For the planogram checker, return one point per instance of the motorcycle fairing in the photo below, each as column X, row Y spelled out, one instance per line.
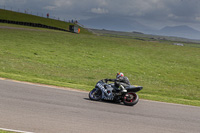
column 133, row 88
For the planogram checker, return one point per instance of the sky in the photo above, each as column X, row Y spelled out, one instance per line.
column 106, row 14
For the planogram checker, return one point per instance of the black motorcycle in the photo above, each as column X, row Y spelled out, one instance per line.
column 104, row 91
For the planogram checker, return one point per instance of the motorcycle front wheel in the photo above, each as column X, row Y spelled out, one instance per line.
column 95, row 94
column 130, row 99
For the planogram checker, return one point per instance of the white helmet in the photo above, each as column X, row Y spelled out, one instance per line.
column 119, row 75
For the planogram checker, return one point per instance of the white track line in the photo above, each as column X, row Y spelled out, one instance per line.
column 11, row 130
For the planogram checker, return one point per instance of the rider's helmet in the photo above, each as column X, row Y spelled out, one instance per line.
column 119, row 75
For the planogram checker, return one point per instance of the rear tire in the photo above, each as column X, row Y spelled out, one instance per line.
column 95, row 94
column 130, row 98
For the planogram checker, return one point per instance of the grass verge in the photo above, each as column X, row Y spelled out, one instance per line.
column 2, row 131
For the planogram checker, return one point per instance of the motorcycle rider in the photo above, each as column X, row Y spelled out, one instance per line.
column 120, row 82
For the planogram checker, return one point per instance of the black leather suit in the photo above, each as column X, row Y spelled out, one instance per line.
column 124, row 81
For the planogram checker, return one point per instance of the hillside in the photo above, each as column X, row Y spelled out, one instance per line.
column 180, row 31
column 147, row 37
column 129, row 25
column 15, row 16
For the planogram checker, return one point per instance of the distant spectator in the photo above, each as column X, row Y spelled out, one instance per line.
column 47, row 15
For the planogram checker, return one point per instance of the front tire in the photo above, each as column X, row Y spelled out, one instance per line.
column 95, row 94
column 130, row 98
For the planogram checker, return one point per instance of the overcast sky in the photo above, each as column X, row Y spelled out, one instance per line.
column 152, row 13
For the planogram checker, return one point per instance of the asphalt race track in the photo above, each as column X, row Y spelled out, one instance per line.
column 45, row 109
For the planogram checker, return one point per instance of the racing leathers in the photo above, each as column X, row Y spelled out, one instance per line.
column 120, row 82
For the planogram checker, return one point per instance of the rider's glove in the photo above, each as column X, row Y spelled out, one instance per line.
column 106, row 80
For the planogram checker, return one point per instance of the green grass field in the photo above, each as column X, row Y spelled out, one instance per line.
column 168, row 73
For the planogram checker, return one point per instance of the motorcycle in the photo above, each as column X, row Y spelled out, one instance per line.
column 104, row 91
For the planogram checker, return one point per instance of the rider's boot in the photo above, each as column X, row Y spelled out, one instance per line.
column 122, row 88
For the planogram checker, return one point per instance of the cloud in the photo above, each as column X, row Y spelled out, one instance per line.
column 63, row 3
column 12, row 3
column 49, row 7
column 99, row 10
column 2, row 2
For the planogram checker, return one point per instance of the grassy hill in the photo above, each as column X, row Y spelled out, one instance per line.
column 147, row 37
column 15, row 16
column 168, row 73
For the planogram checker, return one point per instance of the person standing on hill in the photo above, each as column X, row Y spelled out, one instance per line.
column 47, row 15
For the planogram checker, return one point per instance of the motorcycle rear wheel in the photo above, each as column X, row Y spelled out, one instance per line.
column 95, row 94
column 130, row 99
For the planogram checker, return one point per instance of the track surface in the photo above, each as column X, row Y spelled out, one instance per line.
column 43, row 109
